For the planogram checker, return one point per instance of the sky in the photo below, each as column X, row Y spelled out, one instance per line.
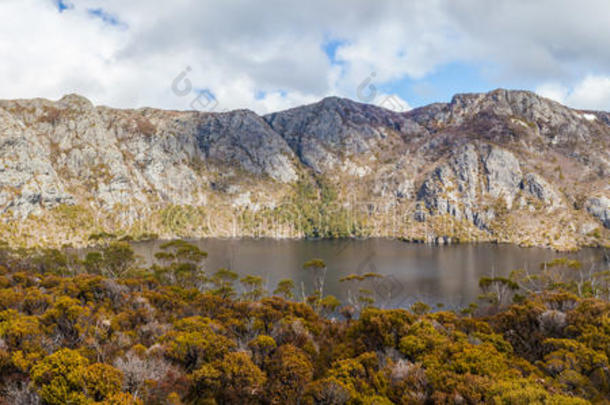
column 276, row 54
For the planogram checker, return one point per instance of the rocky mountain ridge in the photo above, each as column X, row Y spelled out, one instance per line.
column 506, row 166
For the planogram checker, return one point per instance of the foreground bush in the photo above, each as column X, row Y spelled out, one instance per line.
column 85, row 339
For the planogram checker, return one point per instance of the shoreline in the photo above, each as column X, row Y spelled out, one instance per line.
column 437, row 241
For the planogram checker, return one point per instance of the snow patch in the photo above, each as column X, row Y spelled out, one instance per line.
column 589, row 117
column 519, row 122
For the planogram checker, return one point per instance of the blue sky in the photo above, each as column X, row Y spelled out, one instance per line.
column 243, row 55
column 63, row 5
column 103, row 15
column 437, row 85
column 440, row 84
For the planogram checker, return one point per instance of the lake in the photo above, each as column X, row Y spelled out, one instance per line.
column 413, row 272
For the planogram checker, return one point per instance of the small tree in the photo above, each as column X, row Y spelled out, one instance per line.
column 497, row 291
column 261, row 346
column 102, row 381
column 193, row 348
column 420, row 308
column 54, row 261
column 223, row 280
column 328, row 305
column 94, row 262
column 358, row 296
column 253, row 288
column 182, row 264
column 69, row 320
column 114, row 260
column 240, row 380
column 289, row 370
column 65, row 377
column 317, row 268
column 59, row 378
column 119, row 258
column 285, row 289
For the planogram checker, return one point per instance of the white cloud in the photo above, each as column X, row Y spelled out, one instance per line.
column 554, row 91
column 536, row 40
column 269, row 56
column 592, row 93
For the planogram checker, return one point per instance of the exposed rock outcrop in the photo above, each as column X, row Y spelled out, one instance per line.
column 485, row 161
column 28, row 180
column 326, row 133
column 245, row 139
column 599, row 207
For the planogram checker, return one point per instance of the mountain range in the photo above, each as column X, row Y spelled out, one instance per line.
column 506, row 166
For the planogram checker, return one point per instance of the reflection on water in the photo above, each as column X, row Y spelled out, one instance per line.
column 433, row 274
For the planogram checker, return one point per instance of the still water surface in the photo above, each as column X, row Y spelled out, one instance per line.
column 433, row 274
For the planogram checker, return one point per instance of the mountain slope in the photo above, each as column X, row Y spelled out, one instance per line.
column 505, row 165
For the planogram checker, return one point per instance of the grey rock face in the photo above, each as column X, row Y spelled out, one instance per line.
column 503, row 173
column 322, row 134
column 475, row 177
column 472, row 175
column 128, row 157
column 493, row 113
column 475, row 158
column 599, row 207
column 537, row 186
column 28, row 181
column 245, row 139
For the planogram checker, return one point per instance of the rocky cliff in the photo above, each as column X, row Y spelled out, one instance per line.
column 507, row 166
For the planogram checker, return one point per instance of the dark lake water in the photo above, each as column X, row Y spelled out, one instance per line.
column 413, row 272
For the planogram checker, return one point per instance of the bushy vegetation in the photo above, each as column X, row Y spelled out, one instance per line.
column 99, row 329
